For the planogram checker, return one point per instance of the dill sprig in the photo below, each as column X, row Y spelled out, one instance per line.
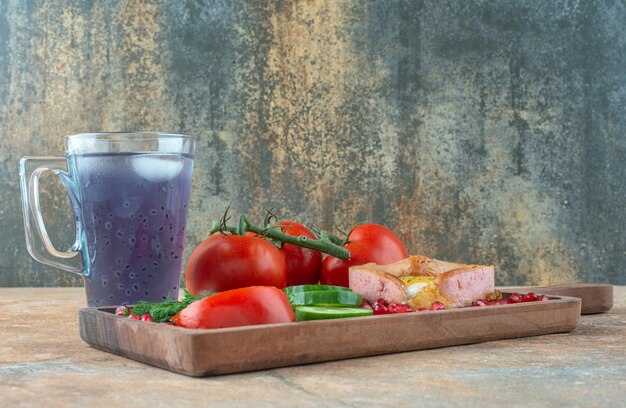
column 164, row 311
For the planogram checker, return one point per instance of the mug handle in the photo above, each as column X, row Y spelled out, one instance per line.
column 31, row 169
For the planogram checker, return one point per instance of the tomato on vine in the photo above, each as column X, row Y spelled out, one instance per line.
column 303, row 264
column 365, row 243
column 225, row 262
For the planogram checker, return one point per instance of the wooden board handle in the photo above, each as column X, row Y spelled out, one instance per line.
column 596, row 297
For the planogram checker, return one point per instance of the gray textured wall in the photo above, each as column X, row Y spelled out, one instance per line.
column 480, row 131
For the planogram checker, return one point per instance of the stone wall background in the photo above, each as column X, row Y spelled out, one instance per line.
column 479, row 131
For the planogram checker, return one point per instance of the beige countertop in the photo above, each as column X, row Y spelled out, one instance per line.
column 44, row 361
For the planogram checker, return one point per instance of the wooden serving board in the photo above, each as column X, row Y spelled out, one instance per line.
column 232, row 350
column 596, row 298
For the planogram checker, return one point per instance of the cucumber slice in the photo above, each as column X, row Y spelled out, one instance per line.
column 311, row 288
column 325, row 298
column 304, row 313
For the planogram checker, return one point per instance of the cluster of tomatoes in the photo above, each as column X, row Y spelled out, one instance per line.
column 249, row 272
column 225, row 262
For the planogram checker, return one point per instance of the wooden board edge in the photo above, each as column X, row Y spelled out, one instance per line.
column 192, row 352
column 596, row 297
column 568, row 308
column 168, row 347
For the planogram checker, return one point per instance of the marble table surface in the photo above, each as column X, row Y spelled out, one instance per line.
column 43, row 361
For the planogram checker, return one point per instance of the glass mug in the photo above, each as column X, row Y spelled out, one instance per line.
column 130, row 195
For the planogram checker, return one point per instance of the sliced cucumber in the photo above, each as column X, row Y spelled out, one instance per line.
column 312, row 288
column 325, row 298
column 304, row 313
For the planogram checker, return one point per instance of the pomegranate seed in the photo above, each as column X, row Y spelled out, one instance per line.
column 529, row 297
column 366, row 305
column 480, row 303
column 437, row 306
column 122, row 311
column 500, row 302
column 134, row 317
column 146, row 317
column 380, row 307
column 404, row 309
column 396, row 308
column 543, row 298
column 383, row 302
column 422, row 309
column 515, row 298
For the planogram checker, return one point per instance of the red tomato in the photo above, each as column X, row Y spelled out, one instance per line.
column 238, row 307
column 224, row 262
column 303, row 264
column 366, row 243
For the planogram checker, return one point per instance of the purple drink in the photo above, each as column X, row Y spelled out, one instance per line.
column 132, row 220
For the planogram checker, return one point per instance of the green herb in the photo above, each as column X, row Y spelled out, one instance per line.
column 164, row 311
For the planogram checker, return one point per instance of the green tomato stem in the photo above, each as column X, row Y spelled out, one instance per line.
column 327, row 243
